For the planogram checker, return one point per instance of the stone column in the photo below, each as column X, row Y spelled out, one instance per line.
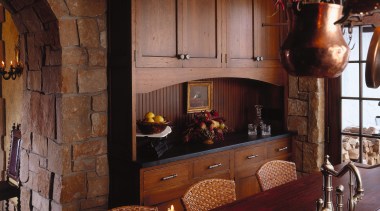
column 306, row 102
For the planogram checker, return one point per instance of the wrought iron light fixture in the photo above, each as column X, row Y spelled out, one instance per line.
column 13, row 72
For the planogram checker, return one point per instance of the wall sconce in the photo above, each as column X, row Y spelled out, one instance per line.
column 13, row 72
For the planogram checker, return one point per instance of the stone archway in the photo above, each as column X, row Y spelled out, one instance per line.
column 64, row 122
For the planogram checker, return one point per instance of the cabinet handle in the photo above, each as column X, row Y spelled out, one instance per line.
column 187, row 56
column 169, row 177
column 282, row 149
column 252, row 156
column 215, row 166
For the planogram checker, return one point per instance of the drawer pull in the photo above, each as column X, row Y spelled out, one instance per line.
column 215, row 166
column 282, row 149
column 169, row 177
column 252, row 156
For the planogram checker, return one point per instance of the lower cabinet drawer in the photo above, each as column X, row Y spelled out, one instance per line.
column 167, row 177
column 250, row 155
column 158, row 196
column 212, row 164
column 279, row 148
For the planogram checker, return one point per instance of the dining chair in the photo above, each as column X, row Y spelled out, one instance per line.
column 8, row 189
column 134, row 208
column 208, row 194
column 275, row 173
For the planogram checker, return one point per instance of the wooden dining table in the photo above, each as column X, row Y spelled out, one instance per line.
column 302, row 194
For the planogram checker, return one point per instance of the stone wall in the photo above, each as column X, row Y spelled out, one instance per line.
column 306, row 109
column 64, row 111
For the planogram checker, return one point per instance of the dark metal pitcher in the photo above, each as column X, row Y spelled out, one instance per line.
column 315, row 45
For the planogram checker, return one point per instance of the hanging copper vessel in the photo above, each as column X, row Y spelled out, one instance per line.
column 315, row 45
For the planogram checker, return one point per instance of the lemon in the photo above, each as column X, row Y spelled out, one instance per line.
column 159, row 119
column 149, row 115
column 149, row 120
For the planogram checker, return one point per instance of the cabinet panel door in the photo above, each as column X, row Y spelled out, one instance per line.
column 246, row 187
column 268, row 33
column 240, row 33
column 158, row 33
column 202, row 33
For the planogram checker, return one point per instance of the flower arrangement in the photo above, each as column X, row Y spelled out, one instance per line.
column 206, row 127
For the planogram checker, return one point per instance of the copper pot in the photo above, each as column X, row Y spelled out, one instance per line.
column 315, row 45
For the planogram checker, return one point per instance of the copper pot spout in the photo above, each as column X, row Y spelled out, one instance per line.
column 315, row 45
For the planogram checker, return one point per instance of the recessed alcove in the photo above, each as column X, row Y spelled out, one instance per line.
column 233, row 98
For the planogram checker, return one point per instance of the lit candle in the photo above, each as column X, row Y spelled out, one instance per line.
column 171, row 208
column 2, row 64
column 11, row 64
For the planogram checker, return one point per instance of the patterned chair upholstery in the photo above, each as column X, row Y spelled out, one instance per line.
column 275, row 173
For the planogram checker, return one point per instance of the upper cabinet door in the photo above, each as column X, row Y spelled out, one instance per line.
column 202, row 33
column 240, row 33
column 158, row 33
column 253, row 33
column 269, row 28
column 178, row 33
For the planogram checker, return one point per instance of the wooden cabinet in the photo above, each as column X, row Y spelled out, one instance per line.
column 178, row 33
column 164, row 185
column 253, row 33
column 249, row 159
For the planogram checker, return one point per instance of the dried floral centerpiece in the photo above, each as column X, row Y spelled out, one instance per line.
column 206, row 127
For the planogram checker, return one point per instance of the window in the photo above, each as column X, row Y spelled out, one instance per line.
column 354, row 109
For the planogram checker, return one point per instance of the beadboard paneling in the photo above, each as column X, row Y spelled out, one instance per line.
column 234, row 99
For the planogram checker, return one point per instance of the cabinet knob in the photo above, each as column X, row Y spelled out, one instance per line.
column 259, row 58
column 187, row 56
column 181, row 56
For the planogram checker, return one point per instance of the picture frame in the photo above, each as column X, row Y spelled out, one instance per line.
column 199, row 96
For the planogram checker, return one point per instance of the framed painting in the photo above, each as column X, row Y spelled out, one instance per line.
column 199, row 96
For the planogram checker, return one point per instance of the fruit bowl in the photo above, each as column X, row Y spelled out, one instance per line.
column 151, row 127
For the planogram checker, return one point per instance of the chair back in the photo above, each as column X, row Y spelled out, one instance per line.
column 134, row 208
column 14, row 154
column 275, row 173
column 208, row 194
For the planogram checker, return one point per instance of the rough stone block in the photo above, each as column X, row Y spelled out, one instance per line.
column 293, row 87
column 39, row 145
column 317, row 117
column 34, row 53
column 102, row 22
column 24, row 166
column 97, row 57
column 46, row 118
column 25, row 195
column 59, row 8
column 297, row 124
column 97, row 186
column 34, row 162
column 99, row 124
column 74, row 56
column 310, row 84
column 92, row 80
column 102, row 165
column 31, row 20
column 43, row 182
column 89, row 149
column 59, row 157
column 53, row 57
column 39, row 202
column 88, row 8
column 32, row 182
column 34, row 80
column 44, row 12
column 51, row 80
column 69, row 32
column 298, row 154
column 88, row 33
column 73, row 187
column 103, row 39
column 94, row 202
column 74, row 123
column 297, row 107
column 84, row 165
column 69, row 80
column 57, row 188
column 100, row 102
column 312, row 156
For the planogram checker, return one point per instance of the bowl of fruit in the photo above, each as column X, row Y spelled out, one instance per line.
column 152, row 124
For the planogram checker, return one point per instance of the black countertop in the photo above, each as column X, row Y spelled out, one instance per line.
column 180, row 151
